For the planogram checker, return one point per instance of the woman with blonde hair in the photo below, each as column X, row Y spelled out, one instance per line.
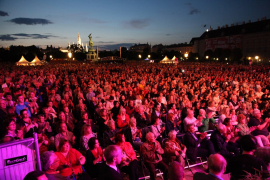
column 245, row 130
column 122, row 119
column 86, row 134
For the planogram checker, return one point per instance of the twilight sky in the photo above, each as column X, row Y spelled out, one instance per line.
column 115, row 23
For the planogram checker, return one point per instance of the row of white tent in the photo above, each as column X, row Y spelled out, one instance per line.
column 167, row 60
column 36, row 61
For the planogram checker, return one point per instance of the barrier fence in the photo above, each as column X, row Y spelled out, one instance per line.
column 17, row 158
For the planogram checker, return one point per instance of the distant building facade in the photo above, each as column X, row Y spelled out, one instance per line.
column 139, row 47
column 253, row 38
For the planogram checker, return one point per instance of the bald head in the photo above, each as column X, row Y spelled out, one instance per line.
column 217, row 164
column 175, row 171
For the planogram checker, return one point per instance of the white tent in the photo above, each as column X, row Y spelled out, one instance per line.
column 166, row 60
column 22, row 62
column 36, row 61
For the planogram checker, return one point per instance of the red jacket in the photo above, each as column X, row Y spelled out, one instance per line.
column 120, row 123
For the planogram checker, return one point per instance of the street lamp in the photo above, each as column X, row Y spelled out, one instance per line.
column 69, row 54
column 257, row 57
column 206, row 57
column 186, row 55
column 149, row 56
column 51, row 56
column 140, row 56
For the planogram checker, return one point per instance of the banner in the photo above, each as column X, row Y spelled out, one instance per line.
column 228, row 42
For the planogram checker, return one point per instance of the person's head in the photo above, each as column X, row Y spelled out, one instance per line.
column 66, row 109
column 35, row 175
column 131, row 103
column 141, row 109
column 62, row 116
column 248, row 143
column 132, row 122
column 170, row 116
column 241, row 118
column 257, row 113
column 64, row 146
column 191, row 128
column 157, row 108
column 176, row 171
column 9, row 124
column 103, row 112
column 63, row 127
column 227, row 122
column 41, row 118
column 172, row 135
column 24, row 114
column 122, row 111
column 3, row 104
column 20, row 98
column 49, row 161
column 113, row 154
column 86, row 129
column 120, row 137
column 244, row 106
column 190, row 113
column 84, row 115
column 93, row 143
column 150, row 137
column 111, row 125
column 222, row 128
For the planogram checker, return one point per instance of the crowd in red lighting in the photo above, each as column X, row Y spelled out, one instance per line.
column 92, row 118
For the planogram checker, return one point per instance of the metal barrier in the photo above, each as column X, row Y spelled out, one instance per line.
column 18, row 158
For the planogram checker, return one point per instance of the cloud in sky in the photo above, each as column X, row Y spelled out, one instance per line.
column 2, row 13
column 7, row 37
column 192, row 9
column 30, row 21
column 34, row 36
column 13, row 37
column 137, row 23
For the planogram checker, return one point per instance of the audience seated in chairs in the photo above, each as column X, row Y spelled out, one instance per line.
column 245, row 163
column 109, row 170
column 122, row 119
column 69, row 156
column 197, row 146
column 172, row 123
column 50, row 164
column 109, row 134
column 64, row 134
column 129, row 162
column 158, row 130
column 176, row 171
column 94, row 157
column 151, row 152
column 174, row 150
column 133, row 135
column 35, row 175
column 142, row 118
column 86, row 134
column 217, row 166
column 221, row 143
column 9, row 131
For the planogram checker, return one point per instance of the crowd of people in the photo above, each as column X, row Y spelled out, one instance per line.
column 96, row 118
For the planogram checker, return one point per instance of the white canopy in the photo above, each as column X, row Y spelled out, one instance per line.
column 22, row 62
column 166, row 60
column 36, row 61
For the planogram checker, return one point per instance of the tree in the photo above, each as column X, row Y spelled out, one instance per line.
column 218, row 53
column 236, row 54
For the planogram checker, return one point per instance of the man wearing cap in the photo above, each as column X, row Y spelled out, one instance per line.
column 260, row 124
